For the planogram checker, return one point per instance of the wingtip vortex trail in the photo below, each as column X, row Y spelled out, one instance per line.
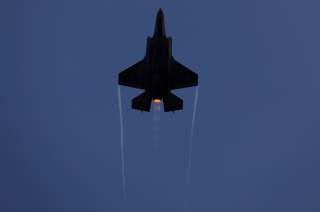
column 188, row 173
column 192, row 133
column 122, row 146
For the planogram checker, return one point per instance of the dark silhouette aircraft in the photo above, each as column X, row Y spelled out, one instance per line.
column 158, row 73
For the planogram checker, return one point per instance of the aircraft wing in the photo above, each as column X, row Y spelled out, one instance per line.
column 133, row 76
column 181, row 76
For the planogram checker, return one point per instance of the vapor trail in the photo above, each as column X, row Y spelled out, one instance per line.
column 156, row 124
column 122, row 147
column 191, row 135
column 188, row 173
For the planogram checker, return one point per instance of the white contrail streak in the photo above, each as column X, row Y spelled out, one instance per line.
column 188, row 173
column 156, row 124
column 122, row 146
column 191, row 135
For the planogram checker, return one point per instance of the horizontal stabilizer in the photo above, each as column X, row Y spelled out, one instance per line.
column 171, row 103
column 142, row 102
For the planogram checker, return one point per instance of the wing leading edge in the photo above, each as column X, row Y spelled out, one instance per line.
column 133, row 76
column 181, row 76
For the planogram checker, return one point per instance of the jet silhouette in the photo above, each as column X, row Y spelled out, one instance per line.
column 158, row 73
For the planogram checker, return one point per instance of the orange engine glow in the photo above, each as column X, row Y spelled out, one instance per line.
column 157, row 101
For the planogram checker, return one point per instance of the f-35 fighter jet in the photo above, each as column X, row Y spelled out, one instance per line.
column 158, row 73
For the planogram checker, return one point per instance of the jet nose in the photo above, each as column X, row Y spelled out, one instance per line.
column 160, row 13
column 159, row 27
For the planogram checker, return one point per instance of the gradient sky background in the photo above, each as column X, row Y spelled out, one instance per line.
column 257, row 135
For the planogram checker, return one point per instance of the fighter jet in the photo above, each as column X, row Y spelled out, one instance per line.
column 158, row 73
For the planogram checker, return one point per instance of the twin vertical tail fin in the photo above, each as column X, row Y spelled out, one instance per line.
column 171, row 103
column 142, row 102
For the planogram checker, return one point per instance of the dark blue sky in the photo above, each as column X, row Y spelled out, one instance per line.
column 256, row 142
